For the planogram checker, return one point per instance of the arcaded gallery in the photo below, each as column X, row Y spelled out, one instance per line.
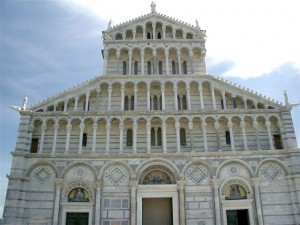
column 155, row 140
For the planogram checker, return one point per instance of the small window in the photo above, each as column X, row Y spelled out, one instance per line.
column 124, row 68
column 149, row 67
column 129, row 138
column 234, row 102
column 160, row 67
column 126, row 103
column 84, row 139
column 34, row 145
column 227, row 136
column 159, row 137
column 184, row 105
column 173, row 67
column 182, row 137
column 184, row 65
column 155, row 102
column 152, row 137
column 132, row 103
column 179, row 102
column 148, row 35
column 277, row 141
column 158, row 35
column 135, row 68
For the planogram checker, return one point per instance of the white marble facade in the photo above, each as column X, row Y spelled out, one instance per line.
column 155, row 125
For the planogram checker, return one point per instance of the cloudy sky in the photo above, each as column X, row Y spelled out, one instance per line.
column 48, row 46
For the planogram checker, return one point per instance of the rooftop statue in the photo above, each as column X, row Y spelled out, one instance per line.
column 153, row 7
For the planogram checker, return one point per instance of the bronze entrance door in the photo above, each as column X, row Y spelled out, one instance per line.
column 157, row 211
column 237, row 217
column 77, row 219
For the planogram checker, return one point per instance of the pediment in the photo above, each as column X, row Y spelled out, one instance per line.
column 159, row 20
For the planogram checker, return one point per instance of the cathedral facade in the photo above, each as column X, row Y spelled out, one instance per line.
column 155, row 140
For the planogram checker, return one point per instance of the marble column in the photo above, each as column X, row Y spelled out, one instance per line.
column 148, row 96
column 43, row 127
column 179, row 62
column 54, row 107
column 164, row 133
column 234, row 101
column 245, row 103
column 142, row 63
column 191, row 57
column 122, row 97
column 148, row 126
column 95, row 127
column 134, row 126
column 188, row 96
column 164, row 32
column 76, row 103
column 177, row 127
column 56, row 127
column 163, row 97
column 98, row 90
column 215, row 185
column 133, row 187
column 153, row 30
column 130, row 62
column 167, row 62
column 109, row 97
column 121, row 127
column 243, row 126
column 108, row 126
column 217, row 127
column 65, row 105
column 68, row 128
column 98, row 185
column 181, row 187
column 118, row 54
column 200, row 89
column 224, row 100
column 230, row 126
column 175, row 89
column 191, row 134
column 204, row 125
column 57, row 184
column 154, row 62
column 135, row 96
column 268, row 125
column 81, row 126
column 87, row 96
column 255, row 125
column 212, row 89
column 255, row 182
column 144, row 32
column 105, row 62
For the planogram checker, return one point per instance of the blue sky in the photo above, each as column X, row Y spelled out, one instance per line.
column 50, row 46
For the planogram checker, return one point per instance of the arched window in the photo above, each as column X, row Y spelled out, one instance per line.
column 158, row 35
column 227, row 137
column 149, row 67
column 155, row 102
column 189, row 36
column 152, row 137
column 135, row 68
column 148, row 35
column 159, row 138
column 126, row 103
column 182, row 137
column 160, row 67
column 184, row 105
column 132, row 103
column 179, row 102
column 84, row 139
column 124, row 68
column 119, row 36
column 184, row 67
column 173, row 67
column 129, row 137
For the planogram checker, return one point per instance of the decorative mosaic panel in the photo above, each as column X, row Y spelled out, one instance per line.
column 196, row 174
column 116, row 175
column 157, row 175
column 271, row 171
column 85, row 187
column 43, row 174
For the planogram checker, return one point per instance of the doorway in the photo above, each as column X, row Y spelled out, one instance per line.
column 77, row 219
column 237, row 217
column 157, row 211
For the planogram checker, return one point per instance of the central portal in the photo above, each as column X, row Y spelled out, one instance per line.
column 157, row 211
column 77, row 219
column 237, row 217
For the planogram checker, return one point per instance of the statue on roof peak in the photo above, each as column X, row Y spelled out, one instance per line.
column 153, row 7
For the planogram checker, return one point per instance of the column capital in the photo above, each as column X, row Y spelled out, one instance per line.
column 154, row 53
column 268, row 124
column 187, row 88
column 76, row 98
column 87, row 94
column 118, row 54
column 200, row 87
column 148, row 125
column 44, row 126
column 109, row 88
column 204, row 125
column 108, row 126
column 177, row 125
column 142, row 53
column 215, row 183
column 162, row 88
column 230, row 124
column 134, row 125
column 98, row 184
column 191, row 53
column 135, row 89
column 58, row 183
column 121, row 126
column 175, row 88
column 217, row 125
column 56, row 126
column 148, row 87
column 178, row 53
column 133, row 184
column 69, row 127
column 243, row 124
column 130, row 53
column 255, row 182
column 190, row 125
column 166, row 52
column 180, row 184
column 81, row 126
column 255, row 124
column 122, row 88
column 95, row 126
column 98, row 89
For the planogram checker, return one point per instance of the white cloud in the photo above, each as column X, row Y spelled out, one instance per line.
column 256, row 35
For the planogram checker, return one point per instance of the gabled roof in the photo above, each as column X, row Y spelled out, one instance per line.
column 92, row 84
